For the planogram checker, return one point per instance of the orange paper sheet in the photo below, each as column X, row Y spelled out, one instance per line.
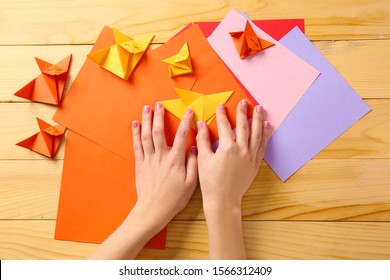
column 97, row 193
column 100, row 106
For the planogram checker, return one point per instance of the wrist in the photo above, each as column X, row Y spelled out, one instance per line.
column 218, row 209
column 147, row 225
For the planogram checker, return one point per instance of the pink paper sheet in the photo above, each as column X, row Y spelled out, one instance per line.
column 275, row 77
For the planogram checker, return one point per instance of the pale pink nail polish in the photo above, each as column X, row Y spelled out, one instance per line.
column 266, row 124
column 189, row 111
column 244, row 103
column 158, row 105
column 199, row 124
column 259, row 108
column 221, row 106
column 134, row 124
column 146, row 109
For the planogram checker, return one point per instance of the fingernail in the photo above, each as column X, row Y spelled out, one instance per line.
column 146, row 109
column 244, row 103
column 266, row 124
column 189, row 111
column 259, row 108
column 158, row 105
column 134, row 124
column 221, row 106
column 194, row 150
column 199, row 124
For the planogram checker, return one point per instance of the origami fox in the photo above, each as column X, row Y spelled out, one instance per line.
column 204, row 105
column 180, row 63
column 45, row 142
column 121, row 58
column 49, row 86
column 247, row 43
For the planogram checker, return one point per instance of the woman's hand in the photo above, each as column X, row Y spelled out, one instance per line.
column 165, row 180
column 227, row 174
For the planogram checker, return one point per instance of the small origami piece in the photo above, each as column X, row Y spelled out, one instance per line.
column 45, row 142
column 247, row 43
column 121, row 58
column 204, row 106
column 180, row 64
column 49, row 86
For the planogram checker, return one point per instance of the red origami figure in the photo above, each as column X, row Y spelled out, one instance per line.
column 247, row 43
column 45, row 142
column 49, row 86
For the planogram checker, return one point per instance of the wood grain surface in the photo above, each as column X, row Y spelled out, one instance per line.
column 336, row 207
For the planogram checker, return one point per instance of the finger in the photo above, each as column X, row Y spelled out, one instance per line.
column 180, row 142
column 192, row 168
column 203, row 139
column 137, row 144
column 256, row 130
column 264, row 141
column 225, row 132
column 146, row 131
column 242, row 127
column 159, row 142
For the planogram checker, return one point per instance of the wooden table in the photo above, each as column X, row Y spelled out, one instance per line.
column 336, row 207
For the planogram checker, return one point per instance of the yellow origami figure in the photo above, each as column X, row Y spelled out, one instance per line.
column 121, row 58
column 204, row 106
column 180, row 64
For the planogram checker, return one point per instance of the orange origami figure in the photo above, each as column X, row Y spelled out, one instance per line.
column 49, row 86
column 45, row 142
column 247, row 43
column 180, row 63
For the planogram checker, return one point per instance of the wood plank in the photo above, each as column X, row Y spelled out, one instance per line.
column 69, row 22
column 188, row 240
column 368, row 138
column 366, row 73
column 324, row 190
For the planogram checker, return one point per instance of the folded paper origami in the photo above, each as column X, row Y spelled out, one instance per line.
column 122, row 57
column 204, row 106
column 180, row 64
column 247, row 43
column 49, row 86
column 45, row 142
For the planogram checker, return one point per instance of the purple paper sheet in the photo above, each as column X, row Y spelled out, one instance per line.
column 328, row 108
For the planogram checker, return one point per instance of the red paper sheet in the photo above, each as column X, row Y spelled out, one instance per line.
column 276, row 28
column 100, row 106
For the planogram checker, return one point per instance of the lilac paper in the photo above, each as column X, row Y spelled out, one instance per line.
column 328, row 108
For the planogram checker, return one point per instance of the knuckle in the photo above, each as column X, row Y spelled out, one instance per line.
column 145, row 137
column 181, row 132
column 157, row 130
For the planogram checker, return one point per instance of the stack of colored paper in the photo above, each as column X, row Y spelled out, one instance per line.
column 306, row 101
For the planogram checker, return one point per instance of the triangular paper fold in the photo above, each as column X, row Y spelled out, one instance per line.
column 49, row 86
column 121, row 58
column 180, row 63
column 204, row 106
column 45, row 142
column 247, row 43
